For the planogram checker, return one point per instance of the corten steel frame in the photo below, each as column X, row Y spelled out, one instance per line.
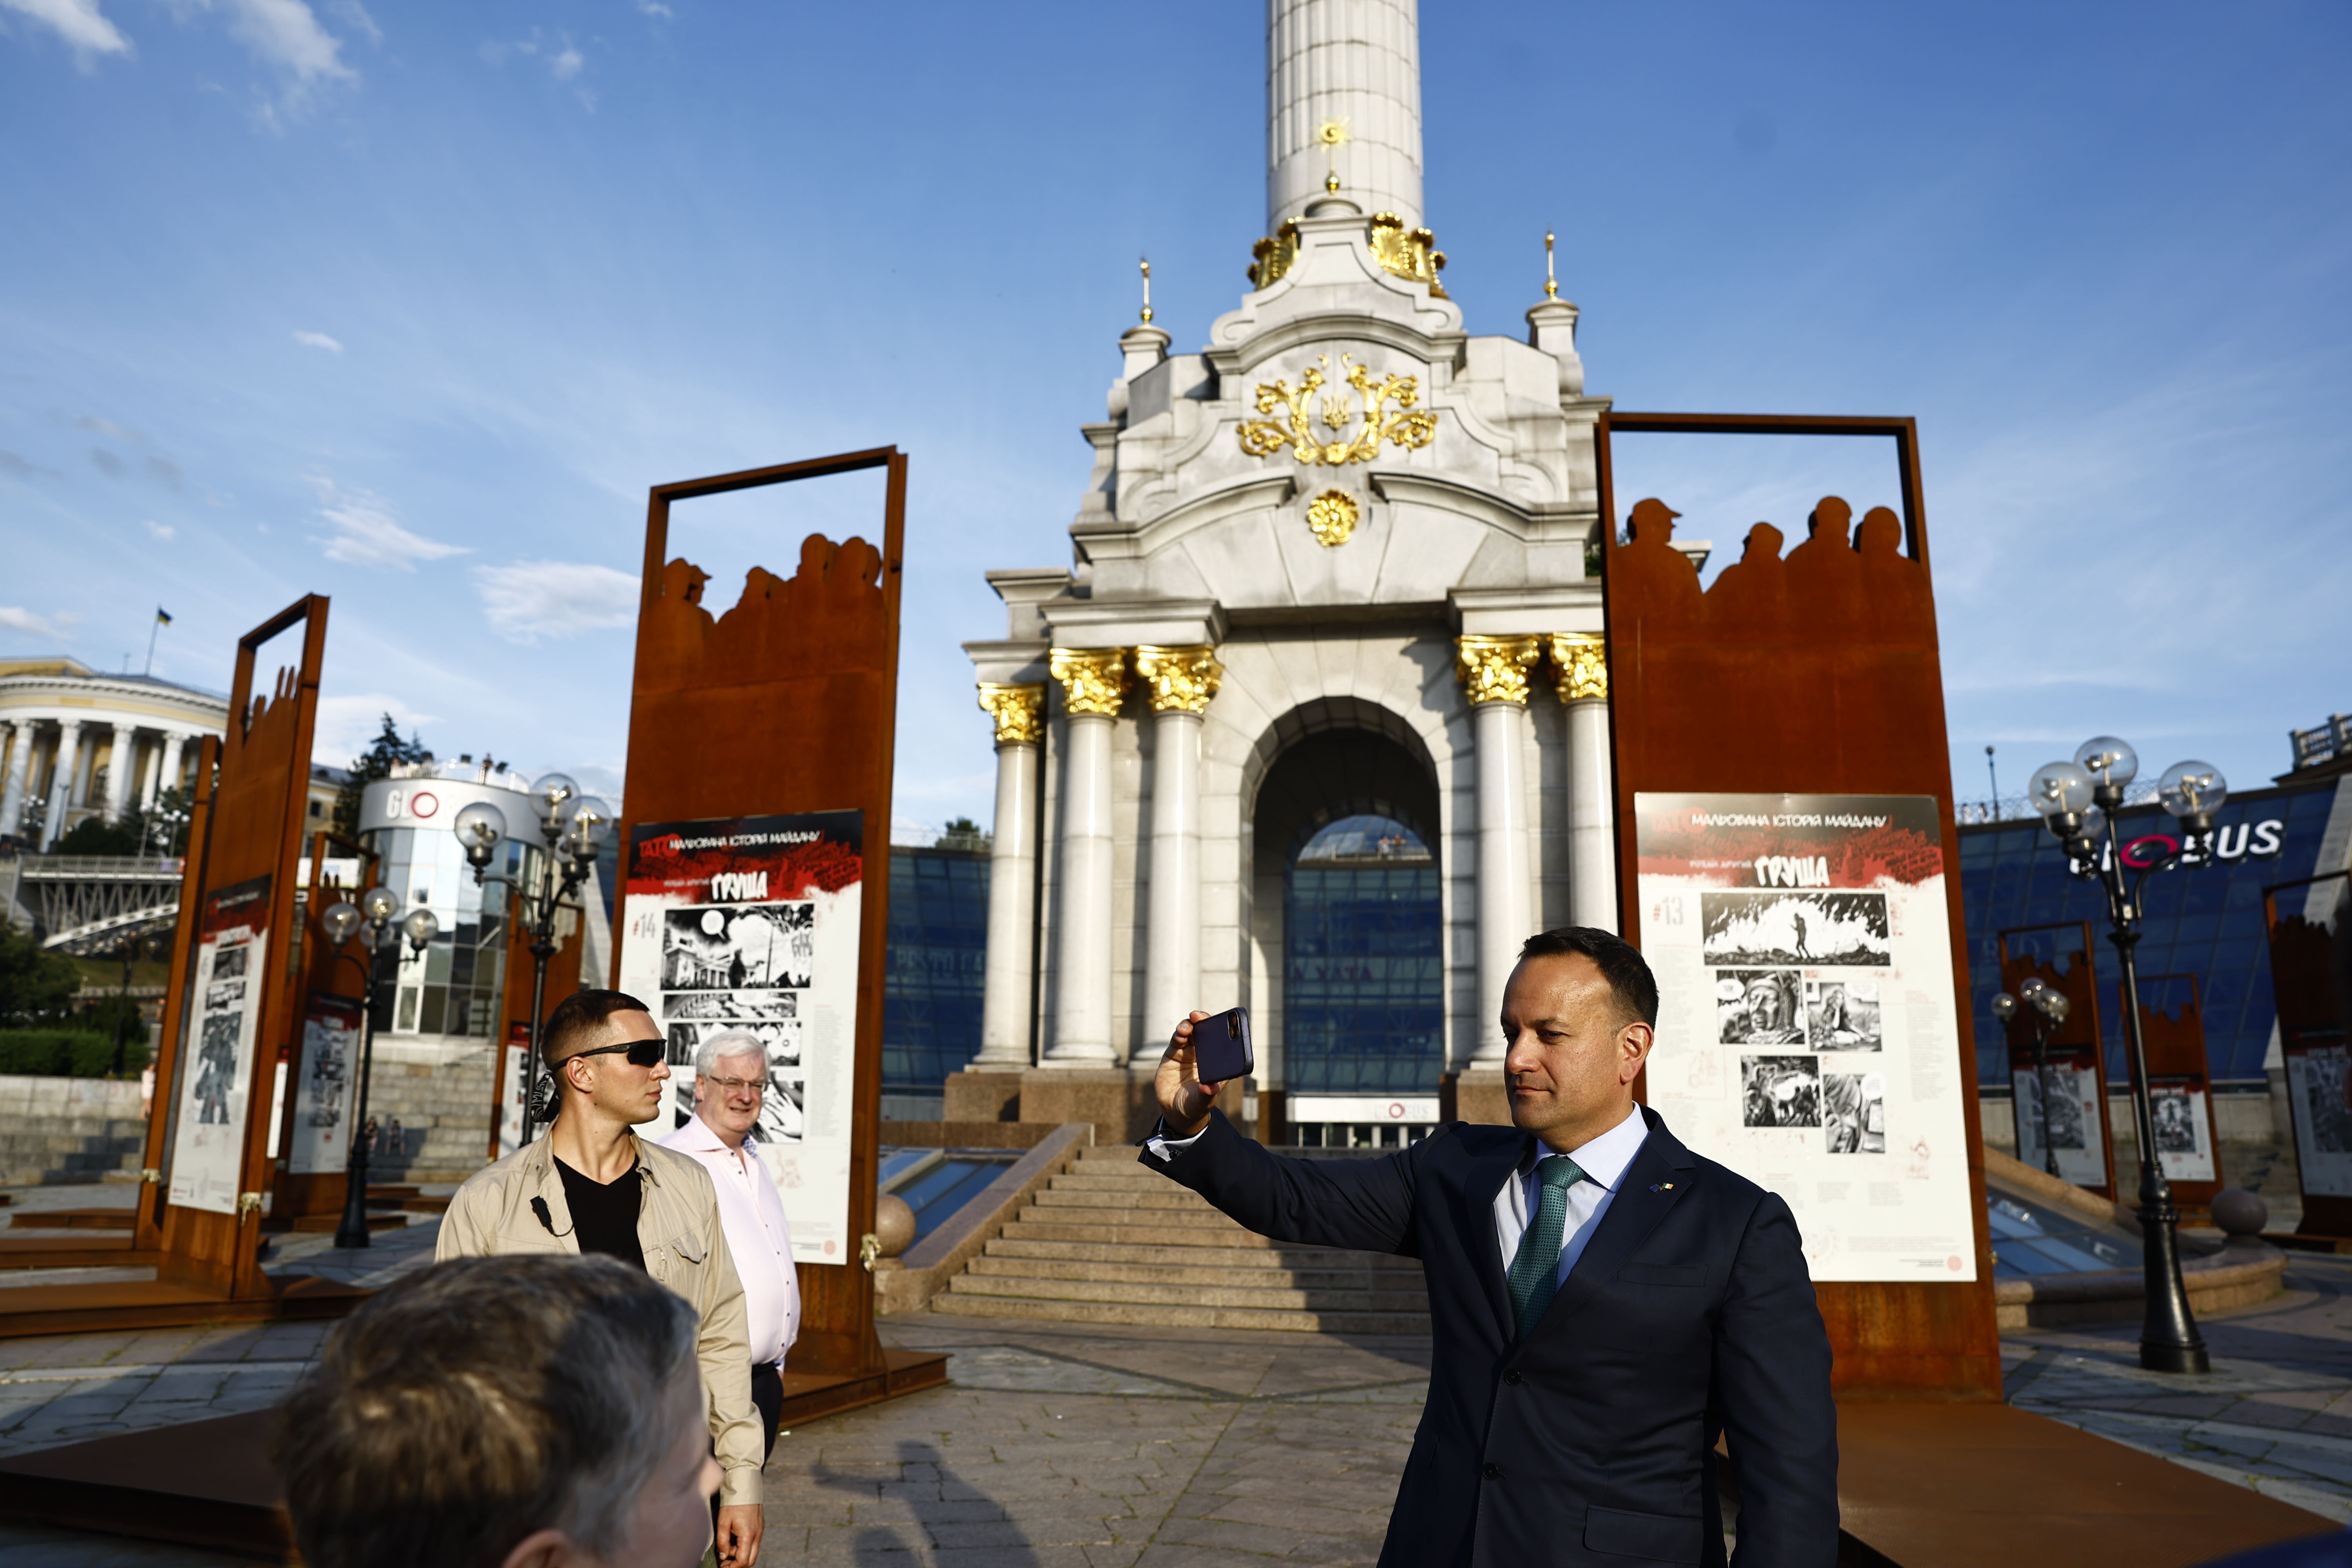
column 248, row 823
column 324, row 967
column 2079, row 983
column 786, row 704
column 2310, row 993
column 1824, row 708
column 2175, row 1048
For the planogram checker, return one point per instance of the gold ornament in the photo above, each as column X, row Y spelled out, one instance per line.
column 1580, row 663
column 1018, row 710
column 1494, row 669
column 1093, row 680
column 1273, row 257
column 1408, row 255
column 1410, row 427
column 1180, row 677
column 1332, row 515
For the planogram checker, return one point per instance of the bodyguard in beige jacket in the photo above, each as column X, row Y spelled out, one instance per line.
column 592, row 1184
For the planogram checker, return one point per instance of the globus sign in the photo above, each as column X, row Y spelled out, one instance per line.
column 423, row 803
column 2257, row 840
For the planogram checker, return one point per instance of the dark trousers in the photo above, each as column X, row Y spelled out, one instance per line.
column 768, row 1398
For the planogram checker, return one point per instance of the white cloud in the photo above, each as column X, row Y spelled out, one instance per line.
column 286, row 33
column 566, row 65
column 16, row 620
column 367, row 534
column 346, row 724
column 78, row 22
column 163, row 531
column 526, row 600
column 355, row 16
column 655, row 8
column 319, row 341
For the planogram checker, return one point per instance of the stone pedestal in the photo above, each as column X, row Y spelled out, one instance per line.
column 1119, row 1102
column 1481, row 1096
column 982, row 1095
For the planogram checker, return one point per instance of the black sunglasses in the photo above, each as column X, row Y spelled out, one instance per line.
column 642, row 1053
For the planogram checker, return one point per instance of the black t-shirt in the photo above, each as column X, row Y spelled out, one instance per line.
column 604, row 1218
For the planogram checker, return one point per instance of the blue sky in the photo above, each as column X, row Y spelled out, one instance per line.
column 409, row 304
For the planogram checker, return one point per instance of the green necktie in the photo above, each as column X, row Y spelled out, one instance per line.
column 1534, row 1272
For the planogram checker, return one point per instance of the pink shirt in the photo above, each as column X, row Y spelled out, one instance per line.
column 757, row 1233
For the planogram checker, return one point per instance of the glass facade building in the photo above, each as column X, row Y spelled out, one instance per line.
column 938, row 952
column 2204, row 921
column 1363, row 971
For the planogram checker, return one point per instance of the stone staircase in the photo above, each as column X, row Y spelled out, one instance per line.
column 66, row 1151
column 1111, row 1241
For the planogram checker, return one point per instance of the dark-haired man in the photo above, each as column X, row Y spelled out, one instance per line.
column 503, row 1413
column 592, row 1184
column 1604, row 1302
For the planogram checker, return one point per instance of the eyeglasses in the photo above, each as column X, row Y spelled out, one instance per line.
column 642, row 1053
column 756, row 1085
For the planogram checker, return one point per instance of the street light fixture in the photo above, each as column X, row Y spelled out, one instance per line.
column 2078, row 802
column 341, row 922
column 2046, row 1008
column 573, row 826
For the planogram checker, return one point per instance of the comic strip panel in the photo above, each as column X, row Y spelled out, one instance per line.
column 2323, row 1074
column 728, row 948
column 1854, row 1110
column 1755, row 930
column 1843, row 1015
column 2061, row 1127
column 2176, row 1120
column 1757, row 1007
column 1780, row 1091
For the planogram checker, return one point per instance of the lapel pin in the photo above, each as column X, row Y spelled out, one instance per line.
column 1662, row 1186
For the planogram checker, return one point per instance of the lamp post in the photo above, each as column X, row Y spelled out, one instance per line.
column 343, row 922
column 2048, row 1009
column 2078, row 802
column 572, row 826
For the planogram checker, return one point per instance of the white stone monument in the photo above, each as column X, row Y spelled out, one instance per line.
column 1343, row 550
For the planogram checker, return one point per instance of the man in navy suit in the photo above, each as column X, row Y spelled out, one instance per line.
column 1605, row 1304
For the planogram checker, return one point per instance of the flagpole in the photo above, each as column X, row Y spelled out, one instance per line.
column 152, row 630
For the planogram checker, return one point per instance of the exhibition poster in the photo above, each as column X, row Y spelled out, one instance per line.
column 752, row 923
column 1806, row 1034
column 322, row 1095
column 2317, row 1093
column 2073, row 1120
column 2183, row 1147
column 232, row 950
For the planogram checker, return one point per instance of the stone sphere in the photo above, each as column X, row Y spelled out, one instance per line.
column 894, row 1225
column 2239, row 1213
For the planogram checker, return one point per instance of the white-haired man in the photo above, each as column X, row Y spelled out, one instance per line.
column 730, row 1082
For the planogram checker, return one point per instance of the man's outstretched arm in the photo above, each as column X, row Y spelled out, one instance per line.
column 1366, row 1205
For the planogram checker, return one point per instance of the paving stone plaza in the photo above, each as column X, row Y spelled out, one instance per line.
column 1094, row 1445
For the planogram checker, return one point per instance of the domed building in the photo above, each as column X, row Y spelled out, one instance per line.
column 76, row 742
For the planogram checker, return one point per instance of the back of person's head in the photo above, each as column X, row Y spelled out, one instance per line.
column 580, row 1018
column 476, row 1403
column 1620, row 963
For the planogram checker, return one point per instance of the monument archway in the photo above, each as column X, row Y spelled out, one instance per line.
column 1346, row 928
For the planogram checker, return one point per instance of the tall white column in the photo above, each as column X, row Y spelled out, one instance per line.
column 1494, row 674
column 173, row 743
column 151, row 778
column 1183, row 680
column 1357, row 61
column 1012, row 878
column 12, row 793
column 1581, row 662
column 61, row 781
column 117, row 771
column 1091, row 681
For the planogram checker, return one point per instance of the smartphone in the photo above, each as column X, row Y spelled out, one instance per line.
column 1221, row 1046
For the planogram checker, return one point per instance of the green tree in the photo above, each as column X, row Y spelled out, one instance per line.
column 163, row 826
column 376, row 762
column 96, row 836
column 36, row 987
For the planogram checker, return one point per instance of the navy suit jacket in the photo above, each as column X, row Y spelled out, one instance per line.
column 1689, row 1316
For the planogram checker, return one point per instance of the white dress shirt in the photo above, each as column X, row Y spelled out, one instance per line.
column 757, row 1233
column 1602, row 1160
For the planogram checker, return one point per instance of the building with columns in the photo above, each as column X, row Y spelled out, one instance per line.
column 1338, row 566
column 76, row 742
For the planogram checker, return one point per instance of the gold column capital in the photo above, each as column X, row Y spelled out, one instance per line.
column 1019, row 711
column 1093, row 680
column 1580, row 666
column 1181, row 677
column 1494, row 669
